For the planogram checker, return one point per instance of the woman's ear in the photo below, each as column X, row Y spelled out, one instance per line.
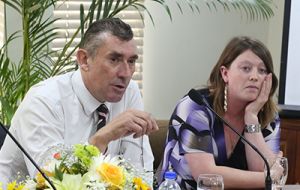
column 224, row 73
column 82, row 59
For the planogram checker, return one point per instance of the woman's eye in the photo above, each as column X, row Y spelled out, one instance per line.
column 263, row 71
column 246, row 68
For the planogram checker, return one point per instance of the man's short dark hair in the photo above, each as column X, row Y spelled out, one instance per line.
column 93, row 37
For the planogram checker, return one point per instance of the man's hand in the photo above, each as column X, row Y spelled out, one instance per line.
column 132, row 121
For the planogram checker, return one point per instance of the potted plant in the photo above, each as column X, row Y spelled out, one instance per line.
column 37, row 62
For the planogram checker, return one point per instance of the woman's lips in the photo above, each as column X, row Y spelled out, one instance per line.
column 252, row 88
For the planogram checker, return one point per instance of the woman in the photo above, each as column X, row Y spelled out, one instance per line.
column 240, row 89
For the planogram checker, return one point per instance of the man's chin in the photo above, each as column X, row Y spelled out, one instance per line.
column 115, row 98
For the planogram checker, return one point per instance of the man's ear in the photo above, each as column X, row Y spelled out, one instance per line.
column 82, row 59
column 224, row 73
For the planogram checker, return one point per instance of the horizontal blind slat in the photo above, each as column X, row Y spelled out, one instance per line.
column 61, row 33
column 75, row 15
column 71, row 6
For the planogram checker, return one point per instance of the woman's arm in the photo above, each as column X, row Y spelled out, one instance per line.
column 200, row 163
column 255, row 162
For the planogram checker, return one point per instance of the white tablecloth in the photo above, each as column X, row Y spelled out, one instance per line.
column 291, row 187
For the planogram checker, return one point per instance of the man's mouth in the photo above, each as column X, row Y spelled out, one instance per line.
column 119, row 86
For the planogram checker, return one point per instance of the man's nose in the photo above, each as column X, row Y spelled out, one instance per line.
column 126, row 70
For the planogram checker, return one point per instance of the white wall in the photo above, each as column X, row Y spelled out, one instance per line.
column 13, row 24
column 179, row 55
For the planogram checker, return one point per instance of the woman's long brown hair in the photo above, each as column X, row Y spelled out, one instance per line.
column 234, row 48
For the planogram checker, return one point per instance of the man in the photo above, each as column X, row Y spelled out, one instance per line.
column 63, row 109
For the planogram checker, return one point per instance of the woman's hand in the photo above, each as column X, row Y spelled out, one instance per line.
column 253, row 108
column 277, row 170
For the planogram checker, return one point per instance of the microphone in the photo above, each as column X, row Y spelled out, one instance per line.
column 27, row 155
column 199, row 99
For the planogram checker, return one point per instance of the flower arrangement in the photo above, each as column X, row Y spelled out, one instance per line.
column 83, row 167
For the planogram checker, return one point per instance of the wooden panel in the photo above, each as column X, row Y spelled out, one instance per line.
column 297, row 164
column 290, row 145
column 287, row 145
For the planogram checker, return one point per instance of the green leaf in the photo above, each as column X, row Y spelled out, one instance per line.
column 58, row 174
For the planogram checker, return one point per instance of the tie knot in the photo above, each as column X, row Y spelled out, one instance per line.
column 102, row 109
column 102, row 113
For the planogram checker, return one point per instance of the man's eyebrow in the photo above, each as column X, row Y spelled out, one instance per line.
column 116, row 54
column 134, row 56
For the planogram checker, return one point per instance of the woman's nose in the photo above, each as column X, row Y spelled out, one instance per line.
column 254, row 75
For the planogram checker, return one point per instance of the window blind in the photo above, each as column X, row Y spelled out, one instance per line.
column 68, row 12
column 1, row 23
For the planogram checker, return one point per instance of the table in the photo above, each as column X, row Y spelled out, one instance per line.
column 286, row 187
column 291, row 187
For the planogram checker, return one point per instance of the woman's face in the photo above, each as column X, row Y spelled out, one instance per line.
column 244, row 77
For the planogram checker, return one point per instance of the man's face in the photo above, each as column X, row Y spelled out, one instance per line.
column 107, row 75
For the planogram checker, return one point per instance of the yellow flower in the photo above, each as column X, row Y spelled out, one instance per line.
column 139, row 184
column 20, row 187
column 11, row 185
column 112, row 174
column 14, row 186
column 40, row 180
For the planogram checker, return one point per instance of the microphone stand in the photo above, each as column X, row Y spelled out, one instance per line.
column 27, row 155
column 268, row 180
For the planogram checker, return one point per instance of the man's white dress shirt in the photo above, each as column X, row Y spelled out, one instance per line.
column 61, row 110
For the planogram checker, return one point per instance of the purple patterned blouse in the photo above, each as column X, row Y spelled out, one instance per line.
column 194, row 128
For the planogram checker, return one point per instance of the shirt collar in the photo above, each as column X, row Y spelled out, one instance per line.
column 87, row 100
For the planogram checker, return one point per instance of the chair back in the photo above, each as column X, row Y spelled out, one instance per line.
column 157, row 141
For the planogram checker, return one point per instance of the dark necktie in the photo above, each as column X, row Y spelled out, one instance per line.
column 102, row 111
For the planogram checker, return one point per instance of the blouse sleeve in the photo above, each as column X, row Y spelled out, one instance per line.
column 194, row 133
column 272, row 134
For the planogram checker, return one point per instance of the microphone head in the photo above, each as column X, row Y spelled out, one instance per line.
column 197, row 97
